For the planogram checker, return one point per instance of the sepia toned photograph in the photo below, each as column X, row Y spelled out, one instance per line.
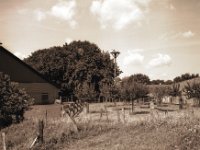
column 99, row 74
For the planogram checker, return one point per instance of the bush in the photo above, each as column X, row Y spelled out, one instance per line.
column 13, row 101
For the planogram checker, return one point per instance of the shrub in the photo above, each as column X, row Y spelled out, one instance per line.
column 193, row 91
column 13, row 101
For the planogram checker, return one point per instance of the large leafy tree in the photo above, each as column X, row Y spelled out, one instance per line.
column 73, row 65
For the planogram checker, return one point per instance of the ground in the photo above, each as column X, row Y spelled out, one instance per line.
column 120, row 129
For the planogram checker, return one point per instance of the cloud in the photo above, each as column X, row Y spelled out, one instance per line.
column 171, row 7
column 118, row 13
column 68, row 40
column 160, row 60
column 133, row 59
column 159, row 75
column 20, row 55
column 188, row 34
column 173, row 35
column 22, row 11
column 135, row 50
column 40, row 15
column 65, row 10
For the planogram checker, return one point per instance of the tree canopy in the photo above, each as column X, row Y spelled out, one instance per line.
column 131, row 89
column 74, row 65
column 184, row 77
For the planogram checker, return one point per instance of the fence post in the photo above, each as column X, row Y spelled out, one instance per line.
column 40, row 131
column 101, row 114
column 87, row 108
column 4, row 141
column 106, row 111
column 46, row 115
column 124, row 114
column 118, row 116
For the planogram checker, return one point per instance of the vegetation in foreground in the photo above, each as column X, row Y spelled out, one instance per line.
column 176, row 130
column 14, row 101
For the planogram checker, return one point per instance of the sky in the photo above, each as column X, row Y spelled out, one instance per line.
column 159, row 38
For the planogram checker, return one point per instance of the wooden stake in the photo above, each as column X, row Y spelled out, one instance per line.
column 40, row 131
column 46, row 115
column 101, row 114
column 33, row 143
column 88, row 108
column 124, row 114
column 118, row 116
column 106, row 111
column 4, row 141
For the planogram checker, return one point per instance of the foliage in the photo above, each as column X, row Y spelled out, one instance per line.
column 175, row 90
column 185, row 77
column 161, row 82
column 132, row 90
column 13, row 101
column 177, row 79
column 157, row 82
column 160, row 92
column 192, row 91
column 86, row 92
column 140, row 78
column 72, row 66
column 168, row 82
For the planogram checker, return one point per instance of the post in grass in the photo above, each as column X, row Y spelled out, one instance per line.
column 4, row 141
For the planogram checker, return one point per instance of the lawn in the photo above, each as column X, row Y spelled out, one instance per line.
column 112, row 129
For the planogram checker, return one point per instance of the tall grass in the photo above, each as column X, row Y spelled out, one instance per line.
column 175, row 130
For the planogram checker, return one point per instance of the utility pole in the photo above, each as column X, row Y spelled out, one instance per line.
column 115, row 54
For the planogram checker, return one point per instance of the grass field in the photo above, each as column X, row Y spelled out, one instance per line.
column 118, row 130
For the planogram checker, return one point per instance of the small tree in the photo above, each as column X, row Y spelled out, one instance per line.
column 13, row 101
column 137, row 90
column 176, row 92
column 159, row 92
column 193, row 91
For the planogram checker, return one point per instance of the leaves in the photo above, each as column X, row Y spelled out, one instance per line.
column 192, row 90
column 132, row 90
column 13, row 100
column 74, row 65
column 175, row 90
column 185, row 77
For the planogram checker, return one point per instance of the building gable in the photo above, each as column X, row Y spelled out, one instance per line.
column 17, row 69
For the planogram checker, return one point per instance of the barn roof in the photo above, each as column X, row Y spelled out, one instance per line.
column 27, row 66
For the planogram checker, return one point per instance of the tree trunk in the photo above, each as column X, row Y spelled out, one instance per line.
column 40, row 131
column 199, row 101
column 132, row 105
column 180, row 103
column 88, row 108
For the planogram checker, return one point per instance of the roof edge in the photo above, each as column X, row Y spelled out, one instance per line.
column 29, row 67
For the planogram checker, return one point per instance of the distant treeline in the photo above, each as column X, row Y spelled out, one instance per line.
column 186, row 76
column 183, row 77
column 142, row 78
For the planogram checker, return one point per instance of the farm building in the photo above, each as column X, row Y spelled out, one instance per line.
column 34, row 83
